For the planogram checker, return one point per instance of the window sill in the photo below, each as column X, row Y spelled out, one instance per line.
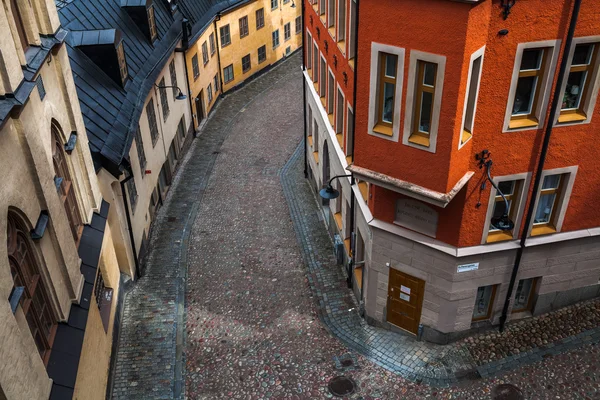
column 351, row 62
column 342, row 46
column 323, row 101
column 364, row 190
column 316, row 85
column 323, row 19
column 523, row 123
column 500, row 236
column 316, row 156
column 316, row 7
column 340, row 139
column 465, row 136
column 572, row 117
column 338, row 220
column 358, row 276
column 310, row 141
column 349, row 159
column 419, row 139
column 383, row 130
column 545, row 229
column 332, row 32
column 330, row 118
column 347, row 246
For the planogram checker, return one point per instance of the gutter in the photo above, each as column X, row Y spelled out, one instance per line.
column 304, row 95
column 218, row 18
column 128, row 217
column 355, row 79
column 185, row 45
column 542, row 160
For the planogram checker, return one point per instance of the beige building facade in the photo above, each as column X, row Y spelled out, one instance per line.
column 58, row 269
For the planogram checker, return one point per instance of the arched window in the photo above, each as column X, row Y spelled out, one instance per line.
column 26, row 273
column 66, row 190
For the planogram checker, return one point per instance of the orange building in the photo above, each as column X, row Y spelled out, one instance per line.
column 442, row 103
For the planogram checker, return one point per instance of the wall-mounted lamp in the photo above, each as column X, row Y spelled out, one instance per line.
column 70, row 145
column 180, row 96
column 335, row 60
column 293, row 4
column 40, row 227
column 503, row 32
column 345, row 75
column 318, row 33
column 310, row 20
column 328, row 192
column 506, row 6
column 326, row 46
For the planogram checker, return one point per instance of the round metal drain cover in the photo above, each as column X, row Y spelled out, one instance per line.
column 341, row 386
column 507, row 392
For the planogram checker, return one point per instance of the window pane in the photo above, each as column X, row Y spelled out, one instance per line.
column 544, row 208
column 482, row 301
column 523, row 294
column 500, row 210
column 551, row 182
column 574, row 89
column 582, row 54
column 390, row 65
column 524, row 95
column 531, row 59
column 425, row 122
column 506, row 187
column 429, row 74
column 388, row 102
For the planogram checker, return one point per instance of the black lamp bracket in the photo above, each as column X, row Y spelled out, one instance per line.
column 506, row 6
column 484, row 160
column 339, row 176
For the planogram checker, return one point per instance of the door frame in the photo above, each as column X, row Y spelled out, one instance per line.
column 419, row 306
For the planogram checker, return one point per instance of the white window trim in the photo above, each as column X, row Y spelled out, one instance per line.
column 349, row 110
column 563, row 203
column 415, row 56
column 321, row 61
column 329, row 75
column 338, row 19
column 337, row 107
column 474, row 56
column 309, row 49
column 590, row 102
column 526, row 178
column 540, row 113
column 377, row 48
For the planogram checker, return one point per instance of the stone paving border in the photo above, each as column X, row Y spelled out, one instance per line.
column 427, row 363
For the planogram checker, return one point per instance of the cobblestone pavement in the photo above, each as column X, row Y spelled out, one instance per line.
column 255, row 325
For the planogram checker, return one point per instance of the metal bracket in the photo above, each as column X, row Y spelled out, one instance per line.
column 506, row 6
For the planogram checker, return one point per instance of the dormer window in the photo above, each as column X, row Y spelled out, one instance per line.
column 122, row 62
column 151, row 24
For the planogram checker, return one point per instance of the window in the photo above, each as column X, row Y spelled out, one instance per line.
column 350, row 133
column 512, row 191
column 339, row 119
column 132, row 193
column 530, row 85
column 122, row 62
column 243, row 26
column 331, row 16
column 260, row 18
column 309, row 125
column 209, row 93
column 288, row 50
column 104, row 297
column 173, row 74
column 151, row 23
column 473, row 80
column 275, row 39
column 274, row 4
column 298, row 24
column 181, row 130
column 352, row 32
column 341, row 31
column 424, row 98
column 262, row 53
column 152, row 121
column 66, row 189
column 315, row 64
column 545, row 212
column 330, row 96
column 195, row 67
column 211, row 40
column 309, row 53
column 287, row 31
column 139, row 144
column 579, row 83
column 388, row 66
column 19, row 24
column 322, row 7
column 323, row 80
column 216, row 81
column 228, row 73
column 204, row 53
column 163, row 99
column 525, row 294
column 225, row 36
column 25, row 273
column 246, row 63
column 484, row 302
column 286, row 1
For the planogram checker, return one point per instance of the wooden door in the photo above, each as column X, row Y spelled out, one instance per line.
column 199, row 108
column 405, row 299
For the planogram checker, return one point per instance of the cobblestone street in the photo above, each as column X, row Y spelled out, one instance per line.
column 240, row 237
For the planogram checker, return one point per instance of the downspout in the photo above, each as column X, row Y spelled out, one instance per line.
column 128, row 218
column 304, row 95
column 352, row 233
column 185, row 45
column 355, row 79
column 542, row 160
column 218, row 18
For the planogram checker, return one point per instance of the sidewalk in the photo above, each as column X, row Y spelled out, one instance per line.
column 426, row 363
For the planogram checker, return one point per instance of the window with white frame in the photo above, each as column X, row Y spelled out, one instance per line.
column 423, row 100
column 315, row 69
column 512, row 192
column 470, row 106
column 352, row 31
column 339, row 114
column 350, row 132
column 530, row 85
column 322, row 7
column 309, row 53
column 341, row 21
column 387, row 64
column 552, row 200
column 331, row 16
column 580, row 88
column 323, row 79
column 331, row 95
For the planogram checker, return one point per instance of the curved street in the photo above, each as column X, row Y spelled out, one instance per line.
column 252, row 317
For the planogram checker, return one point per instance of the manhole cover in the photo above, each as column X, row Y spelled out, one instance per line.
column 341, row 386
column 507, row 392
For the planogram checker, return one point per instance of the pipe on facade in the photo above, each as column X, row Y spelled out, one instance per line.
column 355, row 79
column 304, row 96
column 542, row 160
column 218, row 18
column 128, row 218
column 185, row 45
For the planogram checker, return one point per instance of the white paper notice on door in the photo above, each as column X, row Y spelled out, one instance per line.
column 404, row 297
column 404, row 289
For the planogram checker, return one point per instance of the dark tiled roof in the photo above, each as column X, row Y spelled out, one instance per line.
column 110, row 111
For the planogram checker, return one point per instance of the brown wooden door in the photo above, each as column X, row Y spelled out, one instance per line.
column 405, row 299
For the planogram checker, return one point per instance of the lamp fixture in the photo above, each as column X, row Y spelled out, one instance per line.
column 503, row 222
column 40, row 227
column 293, row 4
column 506, row 6
column 328, row 192
column 180, row 95
column 70, row 145
column 335, row 61
column 345, row 75
column 310, row 20
column 326, row 46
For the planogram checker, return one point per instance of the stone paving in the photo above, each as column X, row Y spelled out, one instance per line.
column 268, row 311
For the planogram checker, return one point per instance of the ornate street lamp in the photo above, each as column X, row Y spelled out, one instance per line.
column 328, row 192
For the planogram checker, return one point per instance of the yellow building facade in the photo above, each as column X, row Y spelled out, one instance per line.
column 59, row 276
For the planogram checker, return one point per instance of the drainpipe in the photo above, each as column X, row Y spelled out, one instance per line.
column 218, row 18
column 355, row 76
column 542, row 160
column 128, row 218
column 304, row 95
column 185, row 45
column 352, row 240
